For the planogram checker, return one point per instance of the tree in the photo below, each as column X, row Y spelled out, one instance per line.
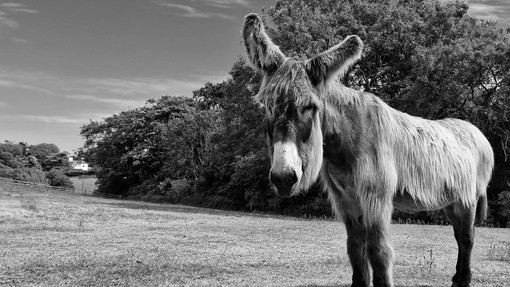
column 14, row 149
column 43, row 150
column 128, row 148
column 33, row 163
column 189, row 143
column 241, row 134
column 56, row 177
column 58, row 161
column 250, row 180
column 7, row 159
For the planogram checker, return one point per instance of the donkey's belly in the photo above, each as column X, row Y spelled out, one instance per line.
column 405, row 202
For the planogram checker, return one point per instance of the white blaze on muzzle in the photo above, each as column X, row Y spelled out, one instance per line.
column 286, row 161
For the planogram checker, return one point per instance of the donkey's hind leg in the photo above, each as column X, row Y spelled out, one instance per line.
column 462, row 219
column 356, row 249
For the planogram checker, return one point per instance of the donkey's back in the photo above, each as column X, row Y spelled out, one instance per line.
column 439, row 162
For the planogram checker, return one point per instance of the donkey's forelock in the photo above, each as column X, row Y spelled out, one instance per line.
column 290, row 83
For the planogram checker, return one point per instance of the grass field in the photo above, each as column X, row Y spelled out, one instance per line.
column 57, row 239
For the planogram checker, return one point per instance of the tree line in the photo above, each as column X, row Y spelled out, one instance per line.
column 423, row 57
column 40, row 163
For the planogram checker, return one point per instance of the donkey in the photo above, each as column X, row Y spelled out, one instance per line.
column 369, row 157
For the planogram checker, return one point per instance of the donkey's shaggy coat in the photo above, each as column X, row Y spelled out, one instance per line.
column 371, row 158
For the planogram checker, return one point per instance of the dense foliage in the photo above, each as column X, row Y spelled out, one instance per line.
column 42, row 163
column 422, row 57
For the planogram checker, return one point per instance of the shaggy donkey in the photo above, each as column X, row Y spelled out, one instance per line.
column 370, row 157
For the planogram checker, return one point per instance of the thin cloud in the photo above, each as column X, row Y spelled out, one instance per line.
column 17, row 7
column 496, row 10
column 151, row 87
column 6, row 9
column 24, row 10
column 191, row 12
column 227, row 3
column 12, row 5
column 188, row 9
column 68, row 120
column 19, row 40
column 126, row 88
column 16, row 83
column 210, row 77
column 9, row 23
column 74, row 120
column 120, row 102
column 3, row 104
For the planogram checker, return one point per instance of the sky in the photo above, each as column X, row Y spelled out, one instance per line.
column 64, row 63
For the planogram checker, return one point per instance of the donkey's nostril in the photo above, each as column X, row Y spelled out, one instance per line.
column 294, row 177
column 283, row 180
column 275, row 179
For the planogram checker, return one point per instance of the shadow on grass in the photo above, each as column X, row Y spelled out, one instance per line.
column 348, row 285
column 188, row 209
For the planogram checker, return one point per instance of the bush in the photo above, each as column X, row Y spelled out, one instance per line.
column 504, row 201
column 143, row 191
column 58, row 178
column 6, row 171
column 29, row 174
column 8, row 159
column 179, row 188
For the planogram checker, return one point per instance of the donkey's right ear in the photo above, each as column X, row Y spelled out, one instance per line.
column 263, row 54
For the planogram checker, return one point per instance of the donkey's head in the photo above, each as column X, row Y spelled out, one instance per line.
column 292, row 92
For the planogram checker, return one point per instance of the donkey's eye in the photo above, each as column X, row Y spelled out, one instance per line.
column 308, row 108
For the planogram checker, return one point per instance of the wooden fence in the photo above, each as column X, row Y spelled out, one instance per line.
column 13, row 185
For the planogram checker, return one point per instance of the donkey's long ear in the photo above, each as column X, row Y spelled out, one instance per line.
column 335, row 61
column 262, row 53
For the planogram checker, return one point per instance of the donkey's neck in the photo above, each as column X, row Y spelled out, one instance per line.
column 347, row 122
column 345, row 109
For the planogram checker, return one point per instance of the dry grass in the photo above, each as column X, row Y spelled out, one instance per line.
column 52, row 239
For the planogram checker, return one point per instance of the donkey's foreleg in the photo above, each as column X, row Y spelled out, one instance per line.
column 356, row 249
column 380, row 252
column 462, row 219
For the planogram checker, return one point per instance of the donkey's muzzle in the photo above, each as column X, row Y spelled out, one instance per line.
column 284, row 182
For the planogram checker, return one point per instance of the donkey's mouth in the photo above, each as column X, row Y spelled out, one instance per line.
column 285, row 184
column 284, row 192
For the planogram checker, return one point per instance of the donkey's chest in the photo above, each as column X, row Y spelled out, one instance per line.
column 339, row 180
column 339, row 154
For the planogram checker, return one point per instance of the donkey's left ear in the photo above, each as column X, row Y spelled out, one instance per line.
column 335, row 61
column 263, row 54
